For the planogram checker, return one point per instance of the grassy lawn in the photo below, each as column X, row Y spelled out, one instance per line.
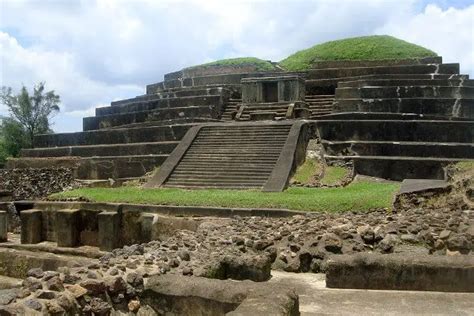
column 357, row 48
column 358, row 196
column 261, row 65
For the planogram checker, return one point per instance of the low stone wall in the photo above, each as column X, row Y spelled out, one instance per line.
column 401, row 272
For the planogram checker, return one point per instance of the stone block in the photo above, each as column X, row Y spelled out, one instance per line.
column 109, row 230
column 68, row 227
column 31, row 226
column 3, row 226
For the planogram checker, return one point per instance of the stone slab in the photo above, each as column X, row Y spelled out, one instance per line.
column 420, row 185
column 401, row 272
column 67, row 227
column 201, row 296
column 109, row 230
column 31, row 226
column 3, row 226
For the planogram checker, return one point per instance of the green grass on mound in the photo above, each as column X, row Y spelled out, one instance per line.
column 259, row 64
column 357, row 48
column 358, row 196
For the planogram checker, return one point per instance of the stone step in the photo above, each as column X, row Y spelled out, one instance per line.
column 114, row 136
column 317, row 86
column 398, row 168
column 120, row 119
column 102, row 150
column 216, row 181
column 224, row 160
column 236, row 186
column 190, row 92
column 414, row 149
column 217, row 177
column 113, row 167
column 448, row 107
column 383, row 116
column 250, row 167
column 401, row 272
column 247, row 172
column 397, row 130
column 181, row 102
column 407, row 83
column 387, row 92
column 404, row 69
column 232, row 150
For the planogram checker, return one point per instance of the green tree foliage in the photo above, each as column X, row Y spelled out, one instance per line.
column 30, row 115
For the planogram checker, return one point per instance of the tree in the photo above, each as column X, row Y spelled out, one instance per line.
column 29, row 114
column 13, row 138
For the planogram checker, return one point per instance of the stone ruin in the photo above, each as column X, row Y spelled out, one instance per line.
column 236, row 128
column 393, row 119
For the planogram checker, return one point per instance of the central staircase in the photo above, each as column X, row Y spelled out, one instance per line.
column 241, row 156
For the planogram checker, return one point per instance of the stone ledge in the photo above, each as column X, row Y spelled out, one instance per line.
column 399, row 272
column 183, row 294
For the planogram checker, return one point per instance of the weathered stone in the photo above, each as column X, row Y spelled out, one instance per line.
column 99, row 307
column 93, row 287
column 67, row 227
column 33, row 304
column 109, row 230
column 387, row 244
column 3, row 226
column 32, row 284
column 31, row 226
column 331, row 242
column 36, row 273
column 55, row 284
column 54, row 308
column 77, row 290
column 134, row 279
column 115, row 284
column 7, row 296
column 459, row 243
column 133, row 306
column 46, row 295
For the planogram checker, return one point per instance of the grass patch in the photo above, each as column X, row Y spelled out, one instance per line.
column 465, row 166
column 305, row 173
column 356, row 48
column 333, row 175
column 259, row 64
column 358, row 196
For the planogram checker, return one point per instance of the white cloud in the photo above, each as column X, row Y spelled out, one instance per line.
column 93, row 52
column 448, row 32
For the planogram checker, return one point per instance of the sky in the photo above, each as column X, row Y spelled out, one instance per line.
column 92, row 52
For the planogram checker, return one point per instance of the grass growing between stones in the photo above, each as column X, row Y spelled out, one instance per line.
column 356, row 48
column 358, row 196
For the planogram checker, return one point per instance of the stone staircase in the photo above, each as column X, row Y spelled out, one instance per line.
column 230, row 157
column 319, row 104
column 277, row 110
column 230, row 109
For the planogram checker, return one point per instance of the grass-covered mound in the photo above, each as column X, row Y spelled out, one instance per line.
column 259, row 64
column 358, row 196
column 356, row 48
